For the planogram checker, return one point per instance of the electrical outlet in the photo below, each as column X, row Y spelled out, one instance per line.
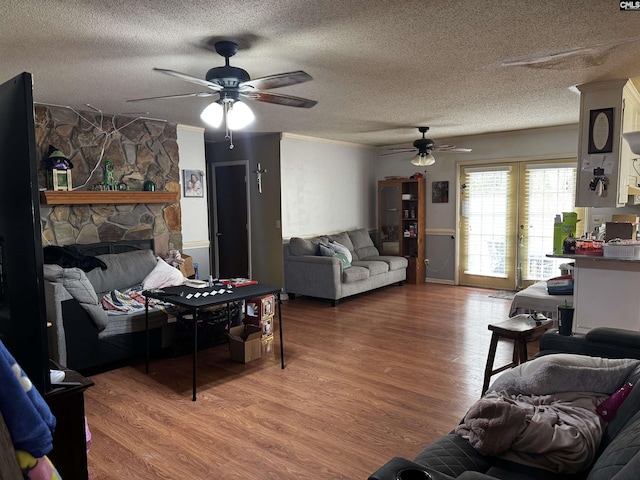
column 426, row 261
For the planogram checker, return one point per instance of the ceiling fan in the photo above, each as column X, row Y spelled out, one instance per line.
column 425, row 146
column 230, row 85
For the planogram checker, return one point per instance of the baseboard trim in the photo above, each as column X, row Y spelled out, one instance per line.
column 442, row 281
column 195, row 244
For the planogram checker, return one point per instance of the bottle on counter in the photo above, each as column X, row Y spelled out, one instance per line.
column 569, row 245
column 557, row 236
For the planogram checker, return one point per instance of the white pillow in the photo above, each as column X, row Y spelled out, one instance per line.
column 342, row 249
column 163, row 275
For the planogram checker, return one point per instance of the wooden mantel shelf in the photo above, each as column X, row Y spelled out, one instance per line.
column 88, row 197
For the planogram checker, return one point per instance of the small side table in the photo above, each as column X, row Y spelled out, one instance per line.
column 69, row 454
column 522, row 329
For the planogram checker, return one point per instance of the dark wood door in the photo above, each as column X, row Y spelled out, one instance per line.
column 230, row 231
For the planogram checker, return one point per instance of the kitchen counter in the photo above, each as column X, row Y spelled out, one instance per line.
column 606, row 292
column 594, row 258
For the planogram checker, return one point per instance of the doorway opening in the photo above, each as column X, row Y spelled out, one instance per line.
column 228, row 193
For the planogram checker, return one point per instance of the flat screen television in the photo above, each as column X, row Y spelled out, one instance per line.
column 23, row 327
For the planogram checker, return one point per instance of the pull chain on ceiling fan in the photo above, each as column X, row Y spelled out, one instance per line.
column 232, row 85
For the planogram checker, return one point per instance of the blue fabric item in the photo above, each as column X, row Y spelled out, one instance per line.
column 26, row 414
column 325, row 250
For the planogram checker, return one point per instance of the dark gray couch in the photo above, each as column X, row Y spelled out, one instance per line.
column 618, row 457
column 82, row 335
column 306, row 273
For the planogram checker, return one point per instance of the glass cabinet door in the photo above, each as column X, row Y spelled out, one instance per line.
column 390, row 220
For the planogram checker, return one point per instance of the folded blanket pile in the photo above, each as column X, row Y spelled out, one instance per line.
column 129, row 301
column 75, row 281
column 559, row 432
column 543, row 413
column 493, row 423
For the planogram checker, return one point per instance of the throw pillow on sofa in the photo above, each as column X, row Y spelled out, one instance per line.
column 163, row 275
column 343, row 239
column 339, row 248
column 343, row 259
column 325, row 250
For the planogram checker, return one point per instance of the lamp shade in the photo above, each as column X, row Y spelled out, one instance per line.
column 212, row 115
column 239, row 116
column 423, row 159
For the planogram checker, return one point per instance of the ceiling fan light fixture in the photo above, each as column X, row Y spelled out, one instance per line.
column 423, row 159
column 212, row 115
column 239, row 116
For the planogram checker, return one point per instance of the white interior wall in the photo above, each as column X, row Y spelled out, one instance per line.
column 331, row 186
column 195, row 217
column 326, row 186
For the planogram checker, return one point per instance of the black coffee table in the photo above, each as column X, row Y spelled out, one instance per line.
column 198, row 298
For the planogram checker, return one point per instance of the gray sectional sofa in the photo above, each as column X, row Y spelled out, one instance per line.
column 306, row 272
column 82, row 335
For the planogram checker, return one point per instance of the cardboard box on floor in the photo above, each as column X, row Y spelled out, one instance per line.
column 244, row 343
column 187, row 268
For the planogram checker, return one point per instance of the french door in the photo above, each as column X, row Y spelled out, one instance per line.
column 506, row 216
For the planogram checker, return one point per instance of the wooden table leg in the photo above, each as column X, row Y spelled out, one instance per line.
column 521, row 346
column 488, row 371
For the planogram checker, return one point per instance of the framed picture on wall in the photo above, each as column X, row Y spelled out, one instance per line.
column 440, row 192
column 192, row 183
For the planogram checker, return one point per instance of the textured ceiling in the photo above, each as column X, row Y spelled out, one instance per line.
column 380, row 68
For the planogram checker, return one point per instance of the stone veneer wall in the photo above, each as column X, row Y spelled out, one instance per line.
column 140, row 150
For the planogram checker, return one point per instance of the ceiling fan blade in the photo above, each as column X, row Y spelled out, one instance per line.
column 280, row 99
column 180, row 95
column 277, row 81
column 450, row 148
column 398, row 150
column 189, row 78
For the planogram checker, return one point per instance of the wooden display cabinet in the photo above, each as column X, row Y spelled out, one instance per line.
column 401, row 223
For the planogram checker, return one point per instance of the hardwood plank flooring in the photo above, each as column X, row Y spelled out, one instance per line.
column 380, row 375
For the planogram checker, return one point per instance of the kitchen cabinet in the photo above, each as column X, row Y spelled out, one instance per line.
column 401, row 223
column 607, row 109
column 605, row 292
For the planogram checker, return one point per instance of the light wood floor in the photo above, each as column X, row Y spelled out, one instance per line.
column 381, row 375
